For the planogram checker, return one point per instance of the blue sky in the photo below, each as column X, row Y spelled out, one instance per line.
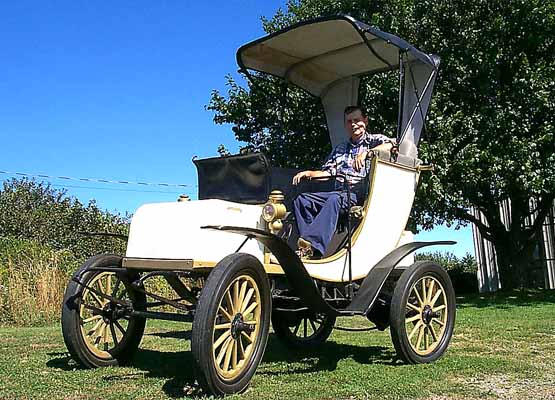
column 117, row 90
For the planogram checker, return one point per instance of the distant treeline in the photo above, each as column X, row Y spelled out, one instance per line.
column 42, row 241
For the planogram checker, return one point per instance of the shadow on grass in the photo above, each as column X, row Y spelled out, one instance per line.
column 325, row 357
column 176, row 368
column 508, row 299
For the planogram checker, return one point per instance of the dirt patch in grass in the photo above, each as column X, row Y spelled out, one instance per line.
column 511, row 387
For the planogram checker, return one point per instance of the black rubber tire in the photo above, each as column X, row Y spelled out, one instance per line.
column 398, row 312
column 222, row 276
column 71, row 320
column 285, row 324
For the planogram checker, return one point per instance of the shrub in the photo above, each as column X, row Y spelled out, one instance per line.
column 32, row 282
column 461, row 270
column 31, row 210
column 41, row 246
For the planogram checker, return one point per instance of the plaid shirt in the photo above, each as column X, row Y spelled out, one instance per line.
column 342, row 158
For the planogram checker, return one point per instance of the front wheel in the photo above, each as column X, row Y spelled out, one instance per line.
column 422, row 313
column 231, row 324
column 99, row 332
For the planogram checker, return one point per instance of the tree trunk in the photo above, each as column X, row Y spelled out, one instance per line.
column 511, row 263
column 514, row 246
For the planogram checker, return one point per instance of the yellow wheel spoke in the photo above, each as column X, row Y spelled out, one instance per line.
column 247, row 337
column 251, row 308
column 100, row 287
column 426, row 343
column 432, row 333
column 424, row 293
column 236, row 297
column 438, row 293
column 228, row 354
column 229, row 302
column 109, row 284
column 415, row 329
column 223, row 326
column 431, row 289
column 242, row 295
column 415, row 290
column 97, row 299
column 247, row 300
column 413, row 307
column 241, row 347
column 420, row 336
column 441, row 307
column 412, row 319
column 93, row 318
column 221, row 339
column 225, row 313
column 438, row 321
column 222, row 350
column 234, row 359
column 99, row 334
column 92, row 331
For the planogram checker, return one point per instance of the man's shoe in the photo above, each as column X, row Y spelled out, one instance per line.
column 305, row 253
column 303, row 244
column 304, row 249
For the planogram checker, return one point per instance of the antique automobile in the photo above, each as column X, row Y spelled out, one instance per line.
column 230, row 255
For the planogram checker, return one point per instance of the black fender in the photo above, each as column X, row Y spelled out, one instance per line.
column 374, row 281
column 303, row 284
column 299, row 279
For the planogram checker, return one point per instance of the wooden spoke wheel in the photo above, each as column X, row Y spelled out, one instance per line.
column 97, row 331
column 422, row 313
column 302, row 330
column 231, row 324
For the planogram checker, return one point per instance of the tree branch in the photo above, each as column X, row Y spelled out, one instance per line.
column 544, row 205
column 485, row 230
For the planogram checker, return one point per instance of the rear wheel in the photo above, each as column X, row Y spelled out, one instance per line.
column 302, row 330
column 99, row 332
column 231, row 324
column 422, row 313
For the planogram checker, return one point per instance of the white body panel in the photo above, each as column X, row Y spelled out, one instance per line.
column 172, row 230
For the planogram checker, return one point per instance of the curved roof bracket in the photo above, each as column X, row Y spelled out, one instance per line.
column 369, row 44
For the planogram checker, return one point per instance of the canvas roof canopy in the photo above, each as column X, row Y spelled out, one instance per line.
column 326, row 56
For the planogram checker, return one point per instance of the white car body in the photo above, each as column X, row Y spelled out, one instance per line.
column 173, row 231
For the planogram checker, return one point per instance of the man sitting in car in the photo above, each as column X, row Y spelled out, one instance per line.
column 317, row 213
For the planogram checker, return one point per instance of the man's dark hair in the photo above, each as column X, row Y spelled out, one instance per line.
column 350, row 109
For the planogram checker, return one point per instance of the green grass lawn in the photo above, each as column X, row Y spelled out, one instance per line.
column 503, row 347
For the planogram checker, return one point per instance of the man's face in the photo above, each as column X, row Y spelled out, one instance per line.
column 355, row 124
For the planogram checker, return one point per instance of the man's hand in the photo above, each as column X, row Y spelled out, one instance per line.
column 303, row 174
column 309, row 174
column 359, row 160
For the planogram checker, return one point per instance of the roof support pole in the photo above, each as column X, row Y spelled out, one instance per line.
column 401, row 95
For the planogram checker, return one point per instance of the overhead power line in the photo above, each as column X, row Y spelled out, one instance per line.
column 117, row 189
column 97, row 180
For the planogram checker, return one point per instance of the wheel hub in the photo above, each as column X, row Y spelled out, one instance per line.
column 427, row 315
column 238, row 325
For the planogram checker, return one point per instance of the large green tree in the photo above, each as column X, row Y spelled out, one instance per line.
column 490, row 127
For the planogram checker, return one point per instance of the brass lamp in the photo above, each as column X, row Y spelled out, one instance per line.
column 274, row 210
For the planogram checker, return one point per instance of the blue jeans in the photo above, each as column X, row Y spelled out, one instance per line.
column 317, row 215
